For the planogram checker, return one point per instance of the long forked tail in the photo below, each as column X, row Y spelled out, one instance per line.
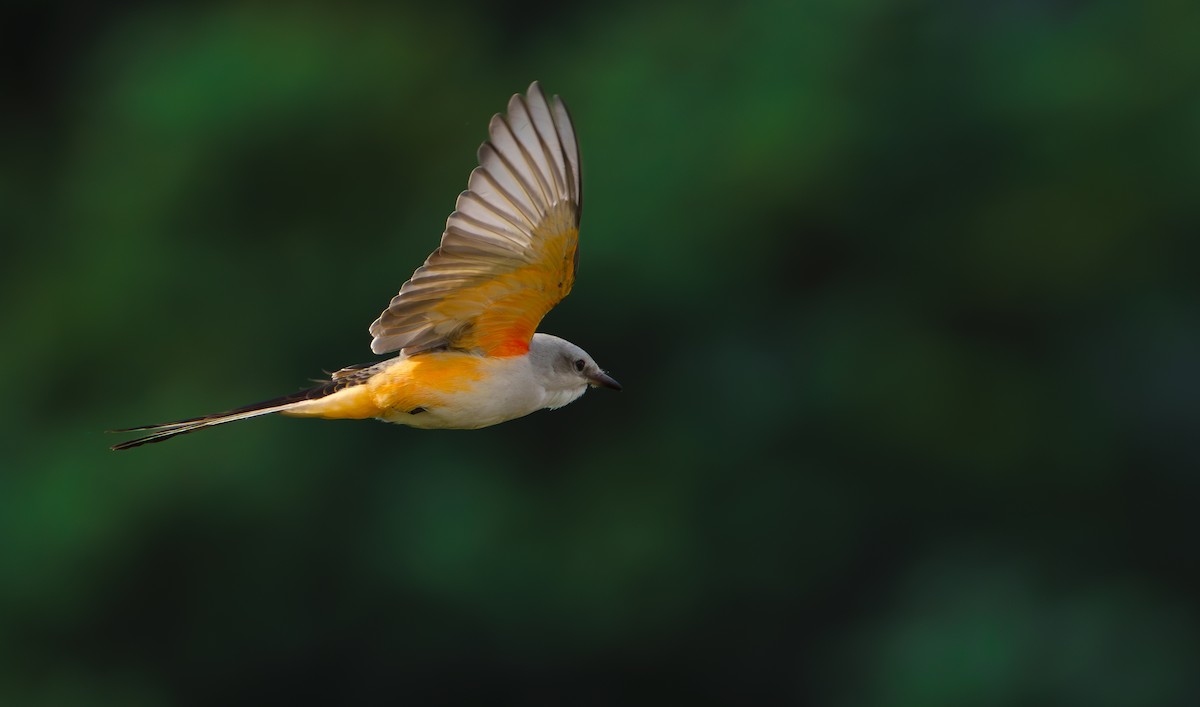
column 161, row 432
column 166, row 430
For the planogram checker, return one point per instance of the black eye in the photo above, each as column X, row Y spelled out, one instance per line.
column 579, row 365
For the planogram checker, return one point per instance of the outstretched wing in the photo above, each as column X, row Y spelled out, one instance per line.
column 509, row 252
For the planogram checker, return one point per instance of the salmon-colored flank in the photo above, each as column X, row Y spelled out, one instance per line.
column 421, row 381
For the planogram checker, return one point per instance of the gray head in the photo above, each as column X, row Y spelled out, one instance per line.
column 564, row 369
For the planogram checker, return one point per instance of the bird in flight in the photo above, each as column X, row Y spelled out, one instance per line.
column 464, row 324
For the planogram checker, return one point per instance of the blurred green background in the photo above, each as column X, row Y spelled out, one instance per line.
column 902, row 293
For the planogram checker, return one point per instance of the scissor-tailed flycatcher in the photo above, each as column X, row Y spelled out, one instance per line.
column 464, row 323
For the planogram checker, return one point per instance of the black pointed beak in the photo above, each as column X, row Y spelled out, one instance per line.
column 600, row 379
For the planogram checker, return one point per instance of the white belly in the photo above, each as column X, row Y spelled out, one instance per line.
column 506, row 391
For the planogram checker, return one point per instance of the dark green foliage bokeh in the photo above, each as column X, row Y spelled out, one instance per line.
column 902, row 293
